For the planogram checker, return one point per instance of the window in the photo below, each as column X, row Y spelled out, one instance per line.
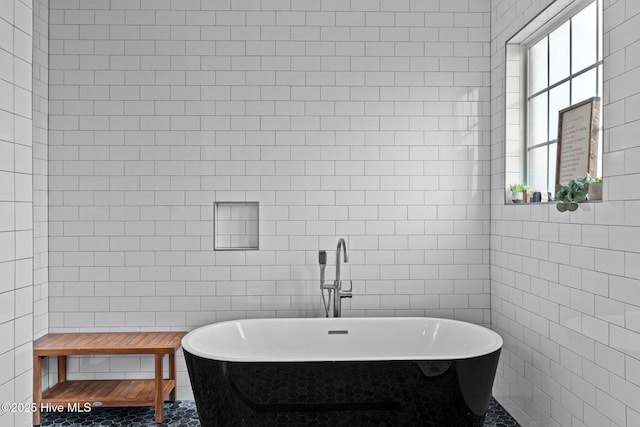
column 552, row 63
column 564, row 68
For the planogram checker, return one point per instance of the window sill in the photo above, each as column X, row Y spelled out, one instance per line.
column 552, row 202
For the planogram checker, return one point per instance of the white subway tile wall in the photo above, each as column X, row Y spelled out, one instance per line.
column 565, row 293
column 40, row 161
column 40, row 215
column 368, row 120
column 19, row 226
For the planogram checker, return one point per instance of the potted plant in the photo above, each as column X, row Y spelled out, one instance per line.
column 517, row 192
column 595, row 189
column 574, row 192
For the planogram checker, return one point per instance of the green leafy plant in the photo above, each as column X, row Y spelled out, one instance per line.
column 597, row 180
column 574, row 192
column 518, row 188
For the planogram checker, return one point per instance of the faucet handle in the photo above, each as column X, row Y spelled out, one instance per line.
column 350, row 285
column 328, row 285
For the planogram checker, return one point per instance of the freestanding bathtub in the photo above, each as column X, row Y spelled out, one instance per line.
column 342, row 372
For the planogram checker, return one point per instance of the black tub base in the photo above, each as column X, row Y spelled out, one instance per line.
column 452, row 393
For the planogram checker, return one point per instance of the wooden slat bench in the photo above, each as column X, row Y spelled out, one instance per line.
column 137, row 392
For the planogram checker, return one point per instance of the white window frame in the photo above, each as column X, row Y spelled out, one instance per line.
column 516, row 86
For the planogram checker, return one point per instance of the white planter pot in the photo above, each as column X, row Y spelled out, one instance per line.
column 516, row 196
column 595, row 191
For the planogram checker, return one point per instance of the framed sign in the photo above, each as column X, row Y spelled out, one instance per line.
column 578, row 127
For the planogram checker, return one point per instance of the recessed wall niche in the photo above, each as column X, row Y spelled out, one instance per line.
column 236, row 226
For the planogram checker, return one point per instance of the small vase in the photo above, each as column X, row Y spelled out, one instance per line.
column 595, row 191
column 516, row 196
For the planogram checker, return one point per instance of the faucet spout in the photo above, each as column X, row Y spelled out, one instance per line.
column 341, row 245
column 338, row 293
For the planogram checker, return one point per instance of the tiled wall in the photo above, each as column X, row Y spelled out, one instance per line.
column 40, row 163
column 565, row 287
column 16, row 226
column 40, row 166
column 361, row 119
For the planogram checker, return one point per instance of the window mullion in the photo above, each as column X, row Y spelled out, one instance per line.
column 566, row 79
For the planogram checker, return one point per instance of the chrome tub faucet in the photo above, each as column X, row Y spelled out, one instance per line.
column 336, row 287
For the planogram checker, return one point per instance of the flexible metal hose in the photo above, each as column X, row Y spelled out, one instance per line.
column 322, row 259
column 324, row 301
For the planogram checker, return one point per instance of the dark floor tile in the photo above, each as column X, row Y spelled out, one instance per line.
column 183, row 414
column 497, row 416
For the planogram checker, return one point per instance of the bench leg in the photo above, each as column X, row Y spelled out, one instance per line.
column 37, row 389
column 62, row 369
column 159, row 408
column 172, row 375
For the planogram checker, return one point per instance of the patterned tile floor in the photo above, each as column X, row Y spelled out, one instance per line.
column 497, row 416
column 183, row 413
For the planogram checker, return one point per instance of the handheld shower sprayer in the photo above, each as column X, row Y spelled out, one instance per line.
column 322, row 260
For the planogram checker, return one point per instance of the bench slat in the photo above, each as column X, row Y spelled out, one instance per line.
column 107, row 343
